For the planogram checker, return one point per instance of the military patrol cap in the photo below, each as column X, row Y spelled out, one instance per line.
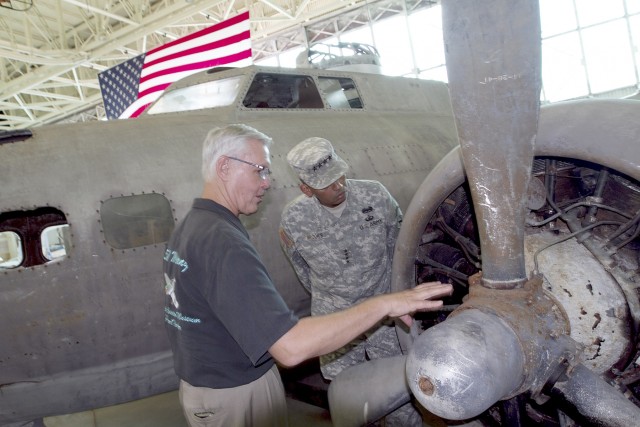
column 316, row 162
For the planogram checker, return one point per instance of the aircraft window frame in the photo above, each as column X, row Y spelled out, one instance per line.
column 211, row 94
column 137, row 220
column 55, row 241
column 11, row 247
column 340, row 92
column 278, row 90
column 30, row 227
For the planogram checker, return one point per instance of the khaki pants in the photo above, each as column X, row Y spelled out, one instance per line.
column 260, row 403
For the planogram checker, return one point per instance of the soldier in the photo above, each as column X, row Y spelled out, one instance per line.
column 339, row 236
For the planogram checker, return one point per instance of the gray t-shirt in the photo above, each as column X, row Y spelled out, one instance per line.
column 222, row 311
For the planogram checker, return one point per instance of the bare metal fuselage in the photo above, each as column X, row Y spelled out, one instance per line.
column 86, row 329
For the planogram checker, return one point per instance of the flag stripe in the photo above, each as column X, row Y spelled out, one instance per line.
column 224, row 38
column 237, row 38
column 207, row 49
column 191, row 67
column 139, row 110
column 214, row 28
column 155, row 88
column 226, row 43
column 227, row 52
column 153, row 59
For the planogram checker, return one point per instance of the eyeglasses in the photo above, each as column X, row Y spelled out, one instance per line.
column 263, row 171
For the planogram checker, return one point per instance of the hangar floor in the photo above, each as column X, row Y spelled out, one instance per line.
column 164, row 411
column 306, row 402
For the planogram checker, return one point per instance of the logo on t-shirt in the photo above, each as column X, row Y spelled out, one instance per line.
column 170, row 289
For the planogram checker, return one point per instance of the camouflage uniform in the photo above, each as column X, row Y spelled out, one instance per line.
column 343, row 257
column 343, row 261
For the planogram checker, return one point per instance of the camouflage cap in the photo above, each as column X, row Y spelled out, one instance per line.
column 316, row 162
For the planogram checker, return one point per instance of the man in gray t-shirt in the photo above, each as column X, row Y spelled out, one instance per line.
column 339, row 236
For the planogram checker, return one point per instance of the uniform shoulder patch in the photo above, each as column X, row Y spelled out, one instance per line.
column 284, row 238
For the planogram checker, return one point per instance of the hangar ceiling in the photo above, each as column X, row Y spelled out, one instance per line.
column 52, row 50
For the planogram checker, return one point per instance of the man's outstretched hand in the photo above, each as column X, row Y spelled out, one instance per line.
column 421, row 298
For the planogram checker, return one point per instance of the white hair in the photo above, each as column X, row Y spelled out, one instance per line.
column 229, row 140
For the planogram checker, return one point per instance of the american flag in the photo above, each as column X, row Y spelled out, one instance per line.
column 129, row 88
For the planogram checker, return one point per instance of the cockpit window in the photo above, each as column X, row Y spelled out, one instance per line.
column 270, row 90
column 340, row 92
column 138, row 220
column 217, row 93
